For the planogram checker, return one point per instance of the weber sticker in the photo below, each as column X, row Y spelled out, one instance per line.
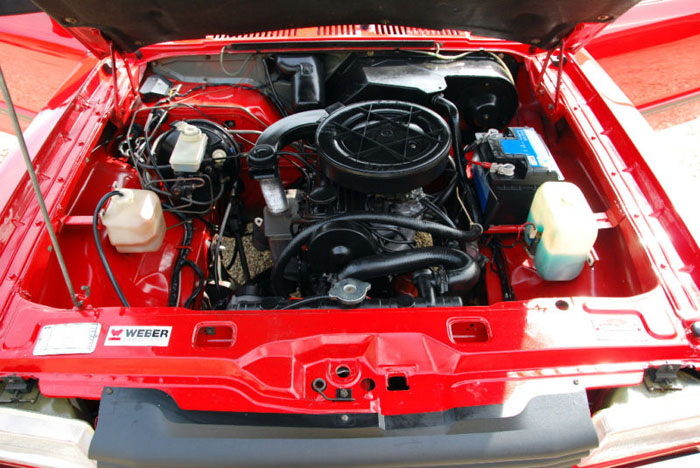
column 138, row 336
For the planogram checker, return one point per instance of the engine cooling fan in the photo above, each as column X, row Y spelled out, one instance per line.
column 383, row 146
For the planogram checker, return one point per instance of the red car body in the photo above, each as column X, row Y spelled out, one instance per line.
column 646, row 52
column 634, row 311
column 41, row 60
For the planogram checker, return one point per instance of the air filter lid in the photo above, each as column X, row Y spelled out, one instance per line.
column 383, row 146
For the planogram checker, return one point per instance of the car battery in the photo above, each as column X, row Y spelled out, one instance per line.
column 522, row 163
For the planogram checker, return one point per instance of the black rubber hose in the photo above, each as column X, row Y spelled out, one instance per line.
column 180, row 261
column 376, row 266
column 304, row 302
column 394, row 220
column 197, row 271
column 295, row 127
column 100, row 250
column 449, row 190
column 453, row 114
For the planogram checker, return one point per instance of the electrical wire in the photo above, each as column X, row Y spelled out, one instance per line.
column 100, row 249
column 273, row 91
column 306, row 301
column 440, row 56
column 464, row 208
column 303, row 161
column 438, row 212
column 185, row 248
column 233, row 258
column 240, row 69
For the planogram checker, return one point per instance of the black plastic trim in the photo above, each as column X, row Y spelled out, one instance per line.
column 145, row 428
column 135, row 23
column 17, row 7
column 341, row 44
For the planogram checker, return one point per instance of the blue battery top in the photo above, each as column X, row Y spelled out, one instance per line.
column 528, row 143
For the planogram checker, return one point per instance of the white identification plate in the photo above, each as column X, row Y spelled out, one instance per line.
column 138, row 336
column 67, row 338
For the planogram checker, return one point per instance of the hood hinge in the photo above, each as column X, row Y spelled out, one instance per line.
column 559, row 61
column 120, row 112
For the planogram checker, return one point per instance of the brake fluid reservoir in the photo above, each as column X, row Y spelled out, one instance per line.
column 566, row 229
column 134, row 221
column 189, row 149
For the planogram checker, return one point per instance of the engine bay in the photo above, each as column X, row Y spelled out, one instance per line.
column 340, row 180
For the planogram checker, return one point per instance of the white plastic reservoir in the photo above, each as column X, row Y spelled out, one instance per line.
column 135, row 221
column 566, row 227
column 189, row 149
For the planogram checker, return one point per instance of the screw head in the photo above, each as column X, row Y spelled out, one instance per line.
column 576, row 382
column 70, row 20
column 343, row 392
column 604, row 18
column 344, row 418
column 109, row 391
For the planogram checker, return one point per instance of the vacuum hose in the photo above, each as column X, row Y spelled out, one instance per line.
column 393, row 220
column 462, row 270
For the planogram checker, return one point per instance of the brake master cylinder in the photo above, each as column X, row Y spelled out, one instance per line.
column 134, row 221
column 564, row 233
column 189, row 149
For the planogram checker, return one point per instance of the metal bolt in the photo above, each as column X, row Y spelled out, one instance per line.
column 576, row 382
column 343, row 392
column 109, row 391
column 695, row 327
column 70, row 20
column 344, row 418
column 604, row 18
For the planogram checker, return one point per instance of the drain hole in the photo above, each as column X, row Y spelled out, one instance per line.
column 562, row 305
column 367, row 385
column 343, row 372
column 397, row 383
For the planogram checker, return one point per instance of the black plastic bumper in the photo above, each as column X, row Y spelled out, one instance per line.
column 145, row 428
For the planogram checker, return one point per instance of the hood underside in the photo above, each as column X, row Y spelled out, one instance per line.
column 132, row 24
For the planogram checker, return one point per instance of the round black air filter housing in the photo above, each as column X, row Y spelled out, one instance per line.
column 383, row 146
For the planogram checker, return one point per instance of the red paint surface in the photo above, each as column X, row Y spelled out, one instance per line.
column 39, row 59
column 651, row 52
column 633, row 308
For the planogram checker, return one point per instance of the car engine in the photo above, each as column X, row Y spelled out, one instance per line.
column 372, row 187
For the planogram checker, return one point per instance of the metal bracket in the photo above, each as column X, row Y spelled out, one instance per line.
column 341, row 394
column 18, row 390
column 663, row 378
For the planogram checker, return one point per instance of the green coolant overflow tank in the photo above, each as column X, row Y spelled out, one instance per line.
column 564, row 232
